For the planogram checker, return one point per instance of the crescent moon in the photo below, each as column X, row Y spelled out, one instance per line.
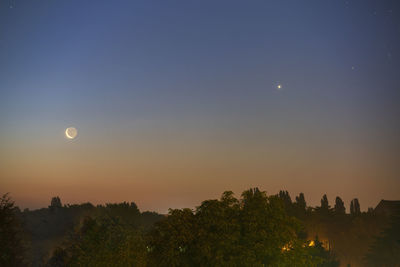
column 70, row 132
column 67, row 135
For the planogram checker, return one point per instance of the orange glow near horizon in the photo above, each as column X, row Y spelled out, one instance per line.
column 158, row 176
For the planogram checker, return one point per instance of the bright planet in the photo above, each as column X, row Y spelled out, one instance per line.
column 71, row 132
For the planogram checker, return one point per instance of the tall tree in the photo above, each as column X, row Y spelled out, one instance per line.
column 55, row 203
column 284, row 195
column 287, row 201
column 339, row 206
column 252, row 231
column 11, row 244
column 301, row 202
column 172, row 238
column 355, row 207
column 324, row 203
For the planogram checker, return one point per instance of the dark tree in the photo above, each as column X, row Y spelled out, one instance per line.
column 255, row 230
column 59, row 258
column 339, row 206
column 324, row 203
column 103, row 241
column 352, row 207
column 385, row 251
column 355, row 207
column 55, row 203
column 284, row 195
column 287, row 201
column 327, row 259
column 370, row 210
column 11, row 245
column 171, row 238
column 252, row 231
column 301, row 202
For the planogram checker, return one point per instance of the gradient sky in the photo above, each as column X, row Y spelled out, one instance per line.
column 177, row 101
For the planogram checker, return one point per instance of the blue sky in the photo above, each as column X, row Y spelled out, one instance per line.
column 196, row 82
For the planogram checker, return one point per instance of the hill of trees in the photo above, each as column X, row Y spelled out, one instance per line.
column 253, row 230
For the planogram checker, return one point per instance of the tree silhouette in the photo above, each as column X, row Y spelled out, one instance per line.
column 55, row 203
column 102, row 241
column 287, row 201
column 301, row 202
column 172, row 238
column 324, row 203
column 11, row 245
column 339, row 206
column 284, row 195
column 355, row 207
column 252, row 231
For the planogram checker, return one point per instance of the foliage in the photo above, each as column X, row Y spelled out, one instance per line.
column 339, row 206
column 324, row 257
column 301, row 202
column 55, row 203
column 355, row 207
column 11, row 244
column 384, row 252
column 102, row 242
column 252, row 231
column 324, row 203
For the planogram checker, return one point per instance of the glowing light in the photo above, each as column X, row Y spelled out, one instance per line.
column 286, row 247
column 311, row 244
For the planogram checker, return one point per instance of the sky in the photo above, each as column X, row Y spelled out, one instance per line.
column 175, row 102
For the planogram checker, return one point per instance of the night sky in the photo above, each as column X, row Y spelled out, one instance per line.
column 178, row 101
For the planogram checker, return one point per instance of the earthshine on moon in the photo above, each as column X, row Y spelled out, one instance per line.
column 71, row 132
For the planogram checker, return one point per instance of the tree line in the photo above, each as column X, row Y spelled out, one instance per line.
column 254, row 230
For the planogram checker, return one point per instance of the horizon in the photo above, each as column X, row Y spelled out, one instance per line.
column 317, row 204
column 169, row 103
